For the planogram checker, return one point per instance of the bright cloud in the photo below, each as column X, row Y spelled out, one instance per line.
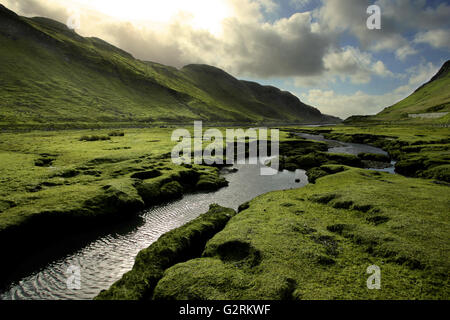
column 347, row 63
column 398, row 18
column 436, row 38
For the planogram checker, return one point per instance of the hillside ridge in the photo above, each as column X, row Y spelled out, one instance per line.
column 51, row 76
column 443, row 72
column 430, row 103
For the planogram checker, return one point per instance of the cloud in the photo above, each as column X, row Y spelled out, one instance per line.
column 380, row 69
column 350, row 62
column 304, row 49
column 287, row 47
column 299, row 4
column 403, row 52
column 415, row 14
column 347, row 63
column 330, row 102
column 268, row 5
column 350, row 16
column 360, row 103
column 38, row 8
column 439, row 38
column 417, row 76
column 246, row 45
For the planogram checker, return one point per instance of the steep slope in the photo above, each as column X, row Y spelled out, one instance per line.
column 51, row 76
column 432, row 97
column 253, row 99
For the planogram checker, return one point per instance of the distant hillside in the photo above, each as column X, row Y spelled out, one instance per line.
column 51, row 76
column 430, row 101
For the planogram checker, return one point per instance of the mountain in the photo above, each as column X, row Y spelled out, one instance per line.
column 50, row 75
column 432, row 98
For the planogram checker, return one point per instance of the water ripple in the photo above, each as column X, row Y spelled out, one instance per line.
column 105, row 260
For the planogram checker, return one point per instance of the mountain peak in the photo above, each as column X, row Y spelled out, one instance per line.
column 206, row 69
column 442, row 73
column 6, row 12
column 432, row 99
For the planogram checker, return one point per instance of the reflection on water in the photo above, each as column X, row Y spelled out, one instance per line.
column 106, row 259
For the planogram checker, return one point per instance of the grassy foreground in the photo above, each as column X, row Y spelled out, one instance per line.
column 54, row 183
column 318, row 241
column 311, row 243
column 175, row 246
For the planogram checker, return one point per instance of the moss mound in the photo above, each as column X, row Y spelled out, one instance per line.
column 211, row 182
column 178, row 245
column 316, row 173
column 441, row 173
column 374, row 157
column 320, row 246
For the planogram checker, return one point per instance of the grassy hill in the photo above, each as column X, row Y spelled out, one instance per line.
column 431, row 98
column 52, row 77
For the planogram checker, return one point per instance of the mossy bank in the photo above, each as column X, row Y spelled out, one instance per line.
column 176, row 246
column 419, row 151
column 56, row 184
column 317, row 242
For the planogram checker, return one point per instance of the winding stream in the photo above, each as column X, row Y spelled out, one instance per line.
column 350, row 148
column 104, row 260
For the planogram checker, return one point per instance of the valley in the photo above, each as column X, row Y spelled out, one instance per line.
column 88, row 181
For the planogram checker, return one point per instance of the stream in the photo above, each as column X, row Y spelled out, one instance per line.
column 104, row 260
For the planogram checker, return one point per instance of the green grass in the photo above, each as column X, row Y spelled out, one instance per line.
column 58, row 171
column 317, row 242
column 178, row 245
column 311, row 243
column 432, row 97
column 420, row 151
column 52, row 179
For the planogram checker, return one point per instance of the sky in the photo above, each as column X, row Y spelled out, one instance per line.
column 320, row 50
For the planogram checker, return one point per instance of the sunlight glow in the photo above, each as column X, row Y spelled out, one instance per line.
column 200, row 14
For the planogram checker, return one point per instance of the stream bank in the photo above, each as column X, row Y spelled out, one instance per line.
column 317, row 242
column 104, row 261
